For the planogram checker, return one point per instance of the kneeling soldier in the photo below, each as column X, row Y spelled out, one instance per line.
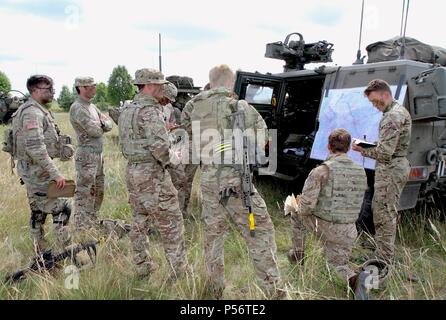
column 329, row 206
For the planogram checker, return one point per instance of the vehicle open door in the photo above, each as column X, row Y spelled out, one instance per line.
column 262, row 91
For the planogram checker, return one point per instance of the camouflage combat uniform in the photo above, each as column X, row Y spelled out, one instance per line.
column 36, row 143
column 176, row 171
column 152, row 196
column 169, row 114
column 213, row 108
column 190, row 168
column 329, row 206
column 89, row 161
column 391, row 174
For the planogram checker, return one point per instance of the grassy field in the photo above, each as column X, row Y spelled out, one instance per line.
column 421, row 251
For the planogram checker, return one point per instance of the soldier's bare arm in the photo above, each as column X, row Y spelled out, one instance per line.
column 388, row 141
column 311, row 190
column 154, row 125
column 35, row 143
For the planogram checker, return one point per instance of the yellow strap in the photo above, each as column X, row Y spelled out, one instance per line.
column 251, row 221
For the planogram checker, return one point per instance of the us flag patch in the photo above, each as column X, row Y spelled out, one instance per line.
column 32, row 125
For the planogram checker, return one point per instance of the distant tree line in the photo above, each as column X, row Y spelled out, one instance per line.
column 118, row 89
column 5, row 84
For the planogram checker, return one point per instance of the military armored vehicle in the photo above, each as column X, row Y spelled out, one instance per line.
column 295, row 104
column 9, row 104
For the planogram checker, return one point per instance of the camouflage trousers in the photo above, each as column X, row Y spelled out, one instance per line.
column 189, row 171
column 36, row 181
column 154, row 200
column 337, row 239
column 389, row 183
column 178, row 177
column 89, row 187
column 217, row 218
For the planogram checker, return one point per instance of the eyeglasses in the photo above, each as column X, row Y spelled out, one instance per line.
column 51, row 89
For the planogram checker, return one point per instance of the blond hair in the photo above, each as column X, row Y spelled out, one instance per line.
column 219, row 76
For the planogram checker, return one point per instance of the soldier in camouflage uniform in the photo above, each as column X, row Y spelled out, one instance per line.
column 170, row 93
column 90, row 125
column 145, row 144
column 176, row 170
column 329, row 206
column 189, row 168
column 221, row 188
column 36, row 144
column 392, row 167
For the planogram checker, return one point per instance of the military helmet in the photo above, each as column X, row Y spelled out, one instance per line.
column 170, row 91
column 84, row 82
column 149, row 76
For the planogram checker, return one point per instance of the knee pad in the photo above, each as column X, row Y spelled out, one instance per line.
column 64, row 216
column 37, row 216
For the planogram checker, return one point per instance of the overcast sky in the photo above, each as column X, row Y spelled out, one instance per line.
column 70, row 38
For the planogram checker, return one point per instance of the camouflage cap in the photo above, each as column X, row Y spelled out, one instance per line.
column 84, row 82
column 170, row 91
column 149, row 76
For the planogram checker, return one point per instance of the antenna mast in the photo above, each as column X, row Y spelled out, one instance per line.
column 359, row 59
column 159, row 46
column 403, row 30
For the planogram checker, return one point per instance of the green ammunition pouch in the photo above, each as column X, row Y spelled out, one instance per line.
column 66, row 149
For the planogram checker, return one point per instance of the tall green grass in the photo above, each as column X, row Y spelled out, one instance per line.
column 419, row 271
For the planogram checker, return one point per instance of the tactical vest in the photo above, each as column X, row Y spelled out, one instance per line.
column 50, row 134
column 214, row 116
column 341, row 197
column 134, row 143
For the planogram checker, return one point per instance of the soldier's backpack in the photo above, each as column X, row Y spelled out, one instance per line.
column 414, row 50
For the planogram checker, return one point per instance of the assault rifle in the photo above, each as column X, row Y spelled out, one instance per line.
column 48, row 261
column 244, row 168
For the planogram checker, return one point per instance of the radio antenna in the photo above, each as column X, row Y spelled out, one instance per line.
column 405, row 11
column 359, row 59
column 159, row 46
